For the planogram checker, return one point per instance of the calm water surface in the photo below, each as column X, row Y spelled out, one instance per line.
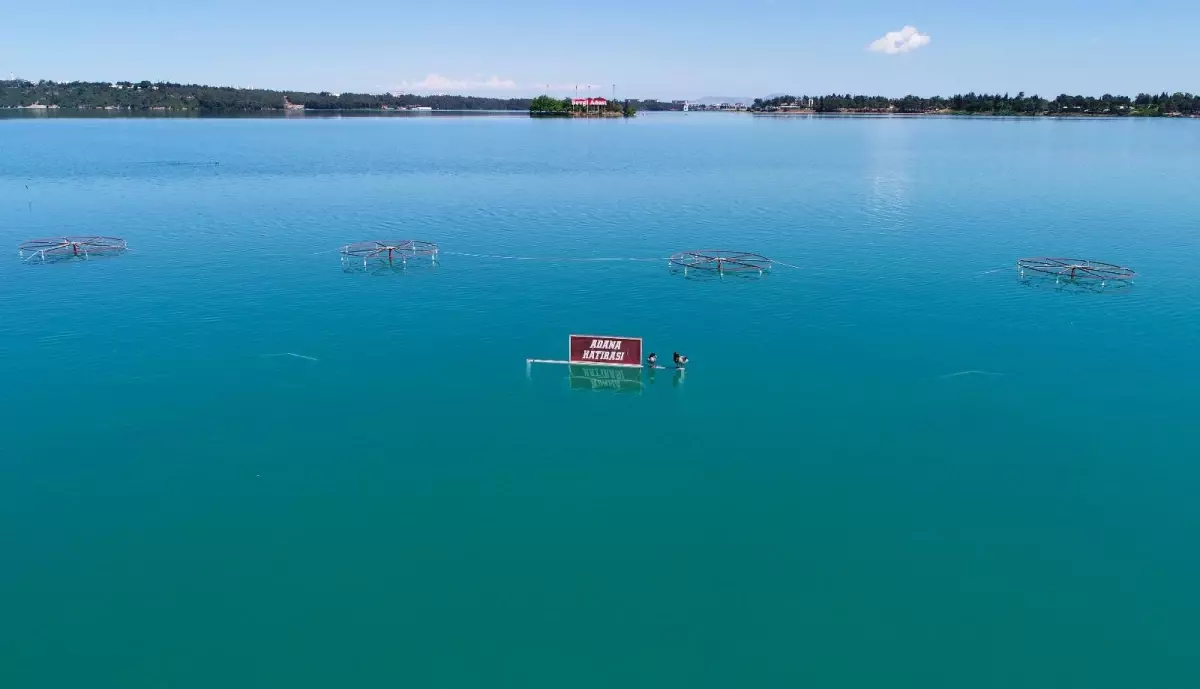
column 820, row 502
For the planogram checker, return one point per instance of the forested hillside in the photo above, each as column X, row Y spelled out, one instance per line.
column 1144, row 104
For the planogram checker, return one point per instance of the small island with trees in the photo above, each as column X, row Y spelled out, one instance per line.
column 547, row 106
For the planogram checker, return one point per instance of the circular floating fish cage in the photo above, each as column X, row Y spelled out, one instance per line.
column 70, row 248
column 1074, row 273
column 386, row 255
column 719, row 263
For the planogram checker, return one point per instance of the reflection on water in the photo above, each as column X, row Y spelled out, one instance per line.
column 614, row 378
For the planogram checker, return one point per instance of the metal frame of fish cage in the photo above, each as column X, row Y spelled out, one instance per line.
column 387, row 252
column 68, row 248
column 720, row 262
column 1082, row 272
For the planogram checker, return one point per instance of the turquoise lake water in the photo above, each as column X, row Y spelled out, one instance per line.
column 821, row 501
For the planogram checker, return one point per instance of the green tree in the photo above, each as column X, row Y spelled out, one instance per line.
column 547, row 106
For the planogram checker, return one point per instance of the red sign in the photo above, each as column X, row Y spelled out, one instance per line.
column 606, row 350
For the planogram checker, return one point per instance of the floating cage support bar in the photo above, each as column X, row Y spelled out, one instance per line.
column 530, row 362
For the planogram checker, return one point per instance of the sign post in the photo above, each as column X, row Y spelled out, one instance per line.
column 619, row 357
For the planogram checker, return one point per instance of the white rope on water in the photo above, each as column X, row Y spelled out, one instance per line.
column 549, row 259
column 570, row 259
column 564, row 259
column 298, row 356
column 970, row 373
column 630, row 259
column 817, row 269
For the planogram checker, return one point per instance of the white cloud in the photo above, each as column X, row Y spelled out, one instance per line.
column 439, row 84
column 902, row 41
column 436, row 83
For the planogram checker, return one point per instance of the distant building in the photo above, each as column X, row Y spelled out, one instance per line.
column 587, row 102
column 687, row 106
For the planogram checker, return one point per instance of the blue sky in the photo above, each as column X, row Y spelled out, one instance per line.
column 667, row 49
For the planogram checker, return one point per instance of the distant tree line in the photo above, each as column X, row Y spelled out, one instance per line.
column 653, row 105
column 1144, row 104
column 161, row 95
column 147, row 95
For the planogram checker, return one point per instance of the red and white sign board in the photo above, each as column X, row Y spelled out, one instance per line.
column 606, row 350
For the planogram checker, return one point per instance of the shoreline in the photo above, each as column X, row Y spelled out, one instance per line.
column 978, row 115
column 130, row 113
column 176, row 98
